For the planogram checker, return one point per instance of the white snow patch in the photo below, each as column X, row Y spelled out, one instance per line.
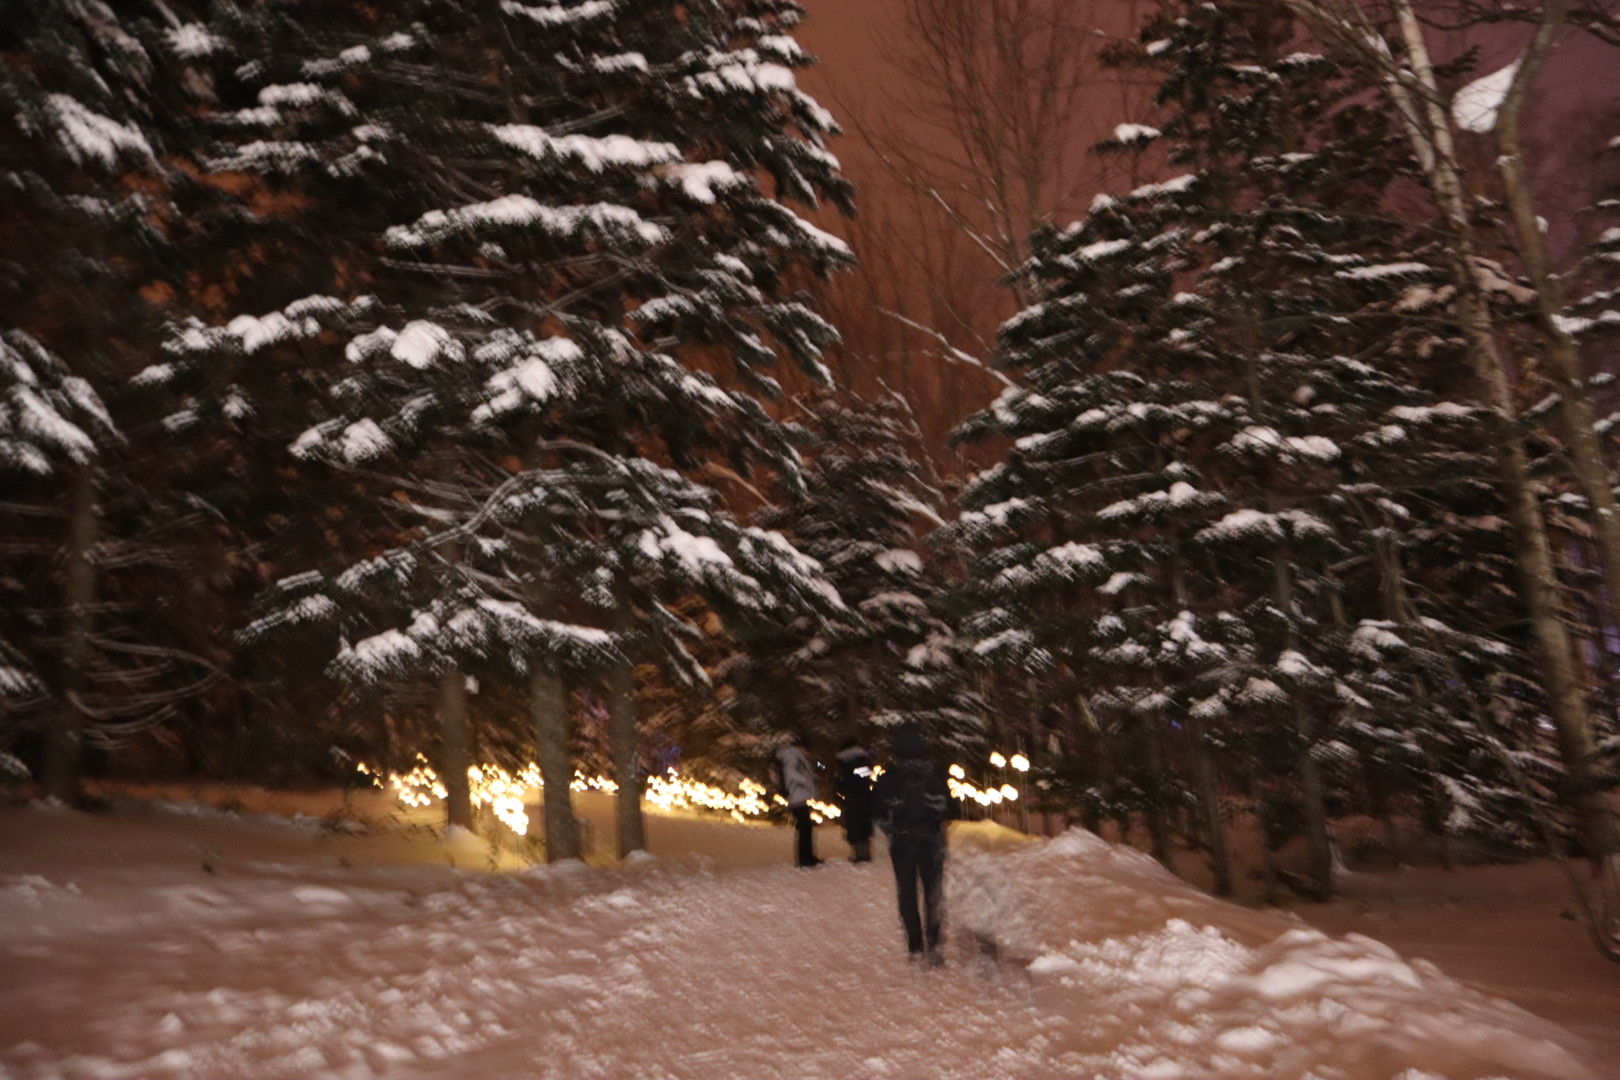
column 409, row 957
column 701, row 180
column 1135, row 133
column 521, row 211
column 594, row 152
column 1475, row 106
column 1169, row 187
column 192, row 40
column 422, row 344
column 88, row 136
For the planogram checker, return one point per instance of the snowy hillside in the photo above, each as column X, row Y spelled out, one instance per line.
column 183, row 942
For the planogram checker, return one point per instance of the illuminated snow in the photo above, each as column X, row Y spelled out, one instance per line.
column 192, row 40
column 87, row 135
column 195, row 944
column 595, row 153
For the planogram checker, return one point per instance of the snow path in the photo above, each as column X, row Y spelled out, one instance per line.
column 175, row 947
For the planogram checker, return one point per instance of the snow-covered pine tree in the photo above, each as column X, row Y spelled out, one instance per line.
column 1306, row 280
column 1387, row 49
column 90, row 210
column 538, row 250
column 1211, row 369
column 1085, row 430
column 894, row 656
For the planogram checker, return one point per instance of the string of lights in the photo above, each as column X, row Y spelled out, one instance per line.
column 509, row 794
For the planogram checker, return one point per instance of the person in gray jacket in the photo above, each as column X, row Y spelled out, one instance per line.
column 798, row 783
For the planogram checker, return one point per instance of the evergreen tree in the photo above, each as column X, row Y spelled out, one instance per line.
column 1209, row 377
column 894, row 657
column 98, row 641
column 528, row 260
column 1388, row 52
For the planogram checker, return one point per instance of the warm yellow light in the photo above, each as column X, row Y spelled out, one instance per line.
column 507, row 794
column 1020, row 762
column 1009, row 792
column 997, row 760
column 958, row 772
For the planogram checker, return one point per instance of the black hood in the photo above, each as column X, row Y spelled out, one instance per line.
column 908, row 742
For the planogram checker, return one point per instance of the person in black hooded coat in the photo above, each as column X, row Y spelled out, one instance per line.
column 912, row 802
column 855, row 799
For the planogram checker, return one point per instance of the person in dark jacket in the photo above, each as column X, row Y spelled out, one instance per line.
column 912, row 803
column 855, row 799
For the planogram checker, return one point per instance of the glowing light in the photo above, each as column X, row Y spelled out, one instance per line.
column 958, row 772
column 508, row 795
column 672, row 791
column 1020, row 762
column 1009, row 793
column 998, row 761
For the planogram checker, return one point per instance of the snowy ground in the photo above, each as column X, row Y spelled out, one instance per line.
column 181, row 942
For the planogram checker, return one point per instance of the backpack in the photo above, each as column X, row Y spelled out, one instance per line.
column 914, row 799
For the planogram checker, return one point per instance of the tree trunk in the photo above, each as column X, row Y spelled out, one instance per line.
column 1566, row 698
column 1428, row 131
column 454, row 743
column 548, row 702
column 1203, row 755
column 1262, row 828
column 622, row 735
column 1158, row 817
column 64, row 740
column 1312, row 792
column 1209, row 805
column 1575, row 406
column 1091, row 813
column 454, row 753
column 548, row 696
column 1313, row 796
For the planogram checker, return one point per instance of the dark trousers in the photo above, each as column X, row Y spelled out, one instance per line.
column 920, row 858
column 807, row 836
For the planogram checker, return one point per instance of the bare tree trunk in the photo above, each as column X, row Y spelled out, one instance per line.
column 1566, row 698
column 1313, row 796
column 548, row 703
column 454, row 754
column 548, row 708
column 1209, row 805
column 622, row 735
column 1205, row 774
column 1312, row 791
column 1575, row 405
column 1091, row 815
column 454, row 743
column 1262, row 828
column 1415, row 94
column 64, row 741
column 1158, row 818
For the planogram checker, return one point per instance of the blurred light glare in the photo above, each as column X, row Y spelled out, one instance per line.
column 507, row 794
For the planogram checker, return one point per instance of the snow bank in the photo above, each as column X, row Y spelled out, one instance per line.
column 1177, row 984
column 186, row 945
